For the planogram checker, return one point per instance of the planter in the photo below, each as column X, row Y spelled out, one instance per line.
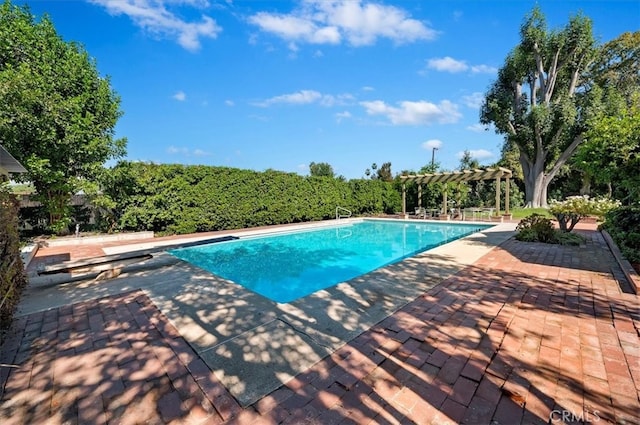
column 496, row 219
column 443, row 217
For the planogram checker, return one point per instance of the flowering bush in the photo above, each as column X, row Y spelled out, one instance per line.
column 570, row 211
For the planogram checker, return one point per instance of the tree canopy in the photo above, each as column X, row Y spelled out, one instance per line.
column 321, row 169
column 611, row 153
column 540, row 99
column 58, row 114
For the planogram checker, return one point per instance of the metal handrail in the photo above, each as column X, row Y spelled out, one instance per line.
column 339, row 216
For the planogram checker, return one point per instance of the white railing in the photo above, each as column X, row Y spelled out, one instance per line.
column 340, row 210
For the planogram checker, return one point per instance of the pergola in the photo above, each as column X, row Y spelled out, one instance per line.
column 458, row 177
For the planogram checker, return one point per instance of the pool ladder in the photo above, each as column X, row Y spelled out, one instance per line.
column 340, row 210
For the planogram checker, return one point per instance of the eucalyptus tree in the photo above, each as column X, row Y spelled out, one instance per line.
column 540, row 101
column 57, row 114
column 617, row 66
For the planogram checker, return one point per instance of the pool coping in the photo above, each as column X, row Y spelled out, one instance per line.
column 233, row 329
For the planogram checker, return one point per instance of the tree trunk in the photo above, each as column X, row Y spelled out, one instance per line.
column 585, row 189
column 535, row 184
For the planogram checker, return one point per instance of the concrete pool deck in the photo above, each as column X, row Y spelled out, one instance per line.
column 406, row 325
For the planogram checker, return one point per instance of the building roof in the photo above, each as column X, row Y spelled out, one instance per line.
column 8, row 163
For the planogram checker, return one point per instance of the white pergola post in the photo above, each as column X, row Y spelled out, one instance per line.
column 506, row 199
column 497, row 195
column 404, row 200
column 444, row 200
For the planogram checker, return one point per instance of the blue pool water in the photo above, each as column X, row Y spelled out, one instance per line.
column 285, row 267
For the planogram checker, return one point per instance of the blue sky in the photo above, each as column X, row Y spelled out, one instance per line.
column 279, row 84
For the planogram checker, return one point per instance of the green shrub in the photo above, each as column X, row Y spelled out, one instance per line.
column 12, row 276
column 565, row 238
column 536, row 228
column 623, row 224
column 184, row 199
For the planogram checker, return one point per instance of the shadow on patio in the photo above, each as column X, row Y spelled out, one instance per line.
column 522, row 336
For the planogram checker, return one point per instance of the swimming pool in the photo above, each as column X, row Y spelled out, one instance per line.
column 286, row 266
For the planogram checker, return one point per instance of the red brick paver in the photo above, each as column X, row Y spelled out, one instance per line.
column 530, row 333
column 114, row 360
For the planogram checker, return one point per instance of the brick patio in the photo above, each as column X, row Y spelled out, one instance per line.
column 528, row 333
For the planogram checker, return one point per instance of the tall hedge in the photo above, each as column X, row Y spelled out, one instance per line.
column 185, row 199
column 12, row 275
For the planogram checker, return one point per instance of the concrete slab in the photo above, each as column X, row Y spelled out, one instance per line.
column 260, row 360
column 207, row 309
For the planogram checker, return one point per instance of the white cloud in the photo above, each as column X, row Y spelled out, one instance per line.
column 299, row 98
column 447, row 64
column 174, row 150
column 357, row 22
column 343, row 115
column 155, row 17
column 431, row 144
column 180, row 96
column 367, row 88
column 484, row 69
column 478, row 154
column 200, row 152
column 415, row 113
column 477, row 128
column 474, row 100
column 229, row 103
column 340, row 99
column 305, row 97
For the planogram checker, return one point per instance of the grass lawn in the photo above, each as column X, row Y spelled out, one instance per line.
column 22, row 189
column 520, row 213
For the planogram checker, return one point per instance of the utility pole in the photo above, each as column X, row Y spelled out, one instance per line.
column 433, row 157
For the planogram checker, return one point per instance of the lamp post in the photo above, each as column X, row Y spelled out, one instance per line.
column 433, row 156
